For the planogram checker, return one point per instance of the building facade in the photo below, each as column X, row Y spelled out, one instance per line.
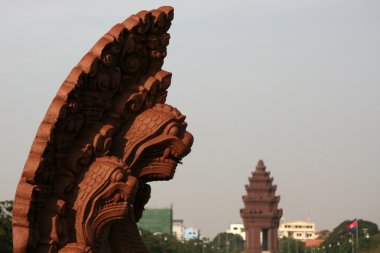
column 178, row 229
column 157, row 220
column 299, row 230
column 191, row 233
column 237, row 229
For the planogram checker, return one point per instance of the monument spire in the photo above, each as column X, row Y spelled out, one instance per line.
column 260, row 166
column 260, row 213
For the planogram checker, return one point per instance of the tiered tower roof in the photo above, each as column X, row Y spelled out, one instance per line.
column 261, row 202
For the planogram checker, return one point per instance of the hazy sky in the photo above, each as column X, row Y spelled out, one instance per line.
column 295, row 83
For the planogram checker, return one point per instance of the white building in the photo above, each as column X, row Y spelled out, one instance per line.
column 237, row 229
column 299, row 230
column 191, row 233
column 178, row 229
column 183, row 233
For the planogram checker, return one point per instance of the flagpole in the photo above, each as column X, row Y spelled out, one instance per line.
column 357, row 235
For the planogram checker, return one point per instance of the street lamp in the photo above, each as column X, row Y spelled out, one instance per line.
column 351, row 240
column 366, row 235
column 365, row 232
column 166, row 242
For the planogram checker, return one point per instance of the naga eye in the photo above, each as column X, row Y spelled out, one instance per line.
column 118, row 176
column 174, row 130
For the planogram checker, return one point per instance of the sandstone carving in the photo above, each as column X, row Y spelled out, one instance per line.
column 107, row 133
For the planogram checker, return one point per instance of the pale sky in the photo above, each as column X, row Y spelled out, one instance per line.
column 295, row 83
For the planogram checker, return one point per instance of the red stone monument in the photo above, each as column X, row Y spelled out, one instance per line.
column 260, row 214
column 106, row 135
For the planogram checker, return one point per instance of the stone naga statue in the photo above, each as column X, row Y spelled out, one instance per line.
column 107, row 133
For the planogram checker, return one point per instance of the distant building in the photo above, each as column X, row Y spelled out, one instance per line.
column 299, row 230
column 237, row 229
column 323, row 234
column 178, row 229
column 313, row 243
column 191, row 233
column 157, row 220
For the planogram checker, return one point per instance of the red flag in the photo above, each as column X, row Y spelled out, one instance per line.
column 353, row 225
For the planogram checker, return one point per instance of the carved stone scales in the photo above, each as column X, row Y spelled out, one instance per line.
column 260, row 215
column 107, row 133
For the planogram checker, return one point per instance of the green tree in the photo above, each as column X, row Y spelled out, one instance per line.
column 227, row 243
column 6, row 208
column 164, row 243
column 156, row 243
column 341, row 240
column 291, row 245
column 222, row 243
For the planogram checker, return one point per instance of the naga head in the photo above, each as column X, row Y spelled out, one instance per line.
column 153, row 144
column 106, row 194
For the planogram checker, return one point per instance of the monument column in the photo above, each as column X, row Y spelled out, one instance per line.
column 273, row 238
column 249, row 243
column 253, row 240
column 256, row 240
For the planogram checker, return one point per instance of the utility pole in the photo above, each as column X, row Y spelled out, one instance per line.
column 227, row 244
column 287, row 240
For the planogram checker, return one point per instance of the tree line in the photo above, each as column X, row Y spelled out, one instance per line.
column 6, row 208
column 340, row 240
column 222, row 243
column 162, row 243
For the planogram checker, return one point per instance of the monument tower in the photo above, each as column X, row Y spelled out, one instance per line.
column 260, row 213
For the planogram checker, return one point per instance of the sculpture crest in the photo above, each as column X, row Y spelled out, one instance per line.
column 107, row 133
